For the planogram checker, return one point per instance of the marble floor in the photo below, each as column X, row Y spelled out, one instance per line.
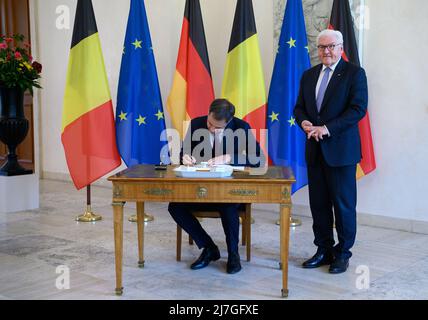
column 36, row 246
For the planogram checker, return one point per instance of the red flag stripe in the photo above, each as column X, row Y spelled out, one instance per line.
column 97, row 154
column 200, row 91
column 182, row 51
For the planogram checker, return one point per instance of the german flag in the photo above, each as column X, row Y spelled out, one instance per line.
column 192, row 90
column 88, row 133
column 341, row 20
column 243, row 82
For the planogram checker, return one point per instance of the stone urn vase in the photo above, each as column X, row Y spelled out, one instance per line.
column 13, row 128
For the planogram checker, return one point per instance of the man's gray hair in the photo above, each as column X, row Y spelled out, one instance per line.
column 328, row 32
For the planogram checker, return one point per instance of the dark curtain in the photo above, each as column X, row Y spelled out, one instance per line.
column 14, row 17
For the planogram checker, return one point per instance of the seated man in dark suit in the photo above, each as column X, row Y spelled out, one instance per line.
column 219, row 138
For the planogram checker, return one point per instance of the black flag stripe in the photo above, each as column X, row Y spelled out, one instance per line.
column 244, row 25
column 193, row 15
column 341, row 20
column 84, row 23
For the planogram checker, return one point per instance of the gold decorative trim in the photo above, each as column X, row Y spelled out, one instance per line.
column 119, row 291
column 118, row 204
column 241, row 192
column 117, row 191
column 158, row 192
column 285, row 193
column 286, row 205
column 284, row 293
column 202, row 192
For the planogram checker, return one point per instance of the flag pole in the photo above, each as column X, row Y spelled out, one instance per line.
column 88, row 216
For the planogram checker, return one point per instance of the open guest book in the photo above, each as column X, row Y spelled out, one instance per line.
column 204, row 171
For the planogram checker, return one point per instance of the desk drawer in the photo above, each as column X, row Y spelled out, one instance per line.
column 251, row 193
column 202, row 192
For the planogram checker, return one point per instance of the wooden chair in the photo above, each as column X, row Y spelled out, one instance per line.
column 244, row 214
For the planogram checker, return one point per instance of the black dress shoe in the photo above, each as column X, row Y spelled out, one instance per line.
column 208, row 254
column 339, row 265
column 233, row 263
column 318, row 260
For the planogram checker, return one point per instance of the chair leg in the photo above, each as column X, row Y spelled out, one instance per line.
column 244, row 230
column 178, row 243
column 248, row 230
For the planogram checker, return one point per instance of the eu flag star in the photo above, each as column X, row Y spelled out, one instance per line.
column 274, row 116
column 122, row 116
column 307, row 48
column 159, row 115
column 137, row 44
column 292, row 42
column 141, row 120
column 292, row 122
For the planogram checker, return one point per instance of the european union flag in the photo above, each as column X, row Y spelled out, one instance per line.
column 286, row 139
column 140, row 119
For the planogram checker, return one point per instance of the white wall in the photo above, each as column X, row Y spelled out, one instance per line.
column 394, row 49
column 395, row 59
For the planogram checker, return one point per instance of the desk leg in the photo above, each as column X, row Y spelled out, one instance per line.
column 284, row 245
column 118, row 243
column 140, row 227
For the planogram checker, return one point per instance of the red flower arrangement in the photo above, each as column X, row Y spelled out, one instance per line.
column 17, row 68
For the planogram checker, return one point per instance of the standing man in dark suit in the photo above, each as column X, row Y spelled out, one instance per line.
column 219, row 138
column 332, row 100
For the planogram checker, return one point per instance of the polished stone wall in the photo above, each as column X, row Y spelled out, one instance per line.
column 317, row 15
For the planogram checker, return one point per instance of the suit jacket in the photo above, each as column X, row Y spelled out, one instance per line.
column 242, row 151
column 344, row 105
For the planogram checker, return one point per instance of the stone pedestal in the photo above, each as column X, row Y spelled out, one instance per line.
column 19, row 193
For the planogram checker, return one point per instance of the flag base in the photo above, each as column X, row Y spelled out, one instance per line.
column 147, row 218
column 293, row 222
column 88, row 216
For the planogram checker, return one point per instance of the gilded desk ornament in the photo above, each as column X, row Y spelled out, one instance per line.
column 202, row 192
column 243, row 192
column 158, row 192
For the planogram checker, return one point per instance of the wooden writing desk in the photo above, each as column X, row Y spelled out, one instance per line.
column 144, row 184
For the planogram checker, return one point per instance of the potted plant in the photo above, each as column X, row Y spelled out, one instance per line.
column 18, row 73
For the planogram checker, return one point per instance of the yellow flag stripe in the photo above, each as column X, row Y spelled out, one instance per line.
column 86, row 85
column 243, row 82
column 360, row 172
column 176, row 103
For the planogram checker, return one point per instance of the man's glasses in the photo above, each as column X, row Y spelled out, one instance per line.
column 330, row 47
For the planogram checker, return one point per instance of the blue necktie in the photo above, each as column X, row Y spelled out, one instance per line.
column 323, row 88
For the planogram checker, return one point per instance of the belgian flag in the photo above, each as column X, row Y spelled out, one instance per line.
column 192, row 89
column 243, row 82
column 341, row 20
column 88, row 131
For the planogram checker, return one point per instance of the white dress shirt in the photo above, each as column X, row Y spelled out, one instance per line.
column 218, row 135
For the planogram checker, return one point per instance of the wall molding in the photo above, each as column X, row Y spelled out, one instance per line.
column 365, row 219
